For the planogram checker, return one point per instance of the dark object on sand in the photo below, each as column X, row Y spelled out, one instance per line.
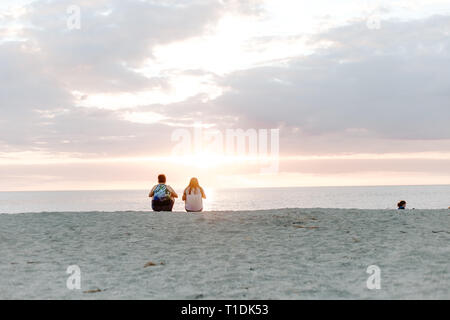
column 303, row 227
column 152, row 264
column 93, row 291
column 149, row 264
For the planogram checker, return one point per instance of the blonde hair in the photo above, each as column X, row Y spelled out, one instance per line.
column 193, row 185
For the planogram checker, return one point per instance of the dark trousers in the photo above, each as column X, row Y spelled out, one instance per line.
column 162, row 205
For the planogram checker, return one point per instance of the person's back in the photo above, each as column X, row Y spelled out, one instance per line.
column 193, row 196
column 163, row 195
column 194, row 200
column 161, row 192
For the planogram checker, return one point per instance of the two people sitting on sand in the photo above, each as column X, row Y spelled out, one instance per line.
column 164, row 196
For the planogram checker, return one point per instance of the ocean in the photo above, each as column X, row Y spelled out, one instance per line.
column 374, row 197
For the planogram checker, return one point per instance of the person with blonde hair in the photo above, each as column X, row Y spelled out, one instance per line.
column 193, row 196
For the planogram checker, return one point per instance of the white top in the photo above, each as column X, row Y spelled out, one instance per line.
column 194, row 201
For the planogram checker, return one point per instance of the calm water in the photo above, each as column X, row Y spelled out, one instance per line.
column 379, row 197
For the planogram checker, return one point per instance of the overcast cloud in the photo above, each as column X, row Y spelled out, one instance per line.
column 354, row 89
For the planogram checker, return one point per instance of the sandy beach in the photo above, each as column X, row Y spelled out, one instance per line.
column 276, row 254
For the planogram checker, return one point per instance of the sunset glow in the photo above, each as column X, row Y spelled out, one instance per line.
column 356, row 90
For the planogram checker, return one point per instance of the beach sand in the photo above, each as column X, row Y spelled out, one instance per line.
column 272, row 254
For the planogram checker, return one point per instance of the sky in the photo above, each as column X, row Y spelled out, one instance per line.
column 107, row 94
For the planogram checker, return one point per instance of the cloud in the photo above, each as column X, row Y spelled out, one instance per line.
column 43, row 70
column 115, row 36
column 379, row 84
column 368, row 90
